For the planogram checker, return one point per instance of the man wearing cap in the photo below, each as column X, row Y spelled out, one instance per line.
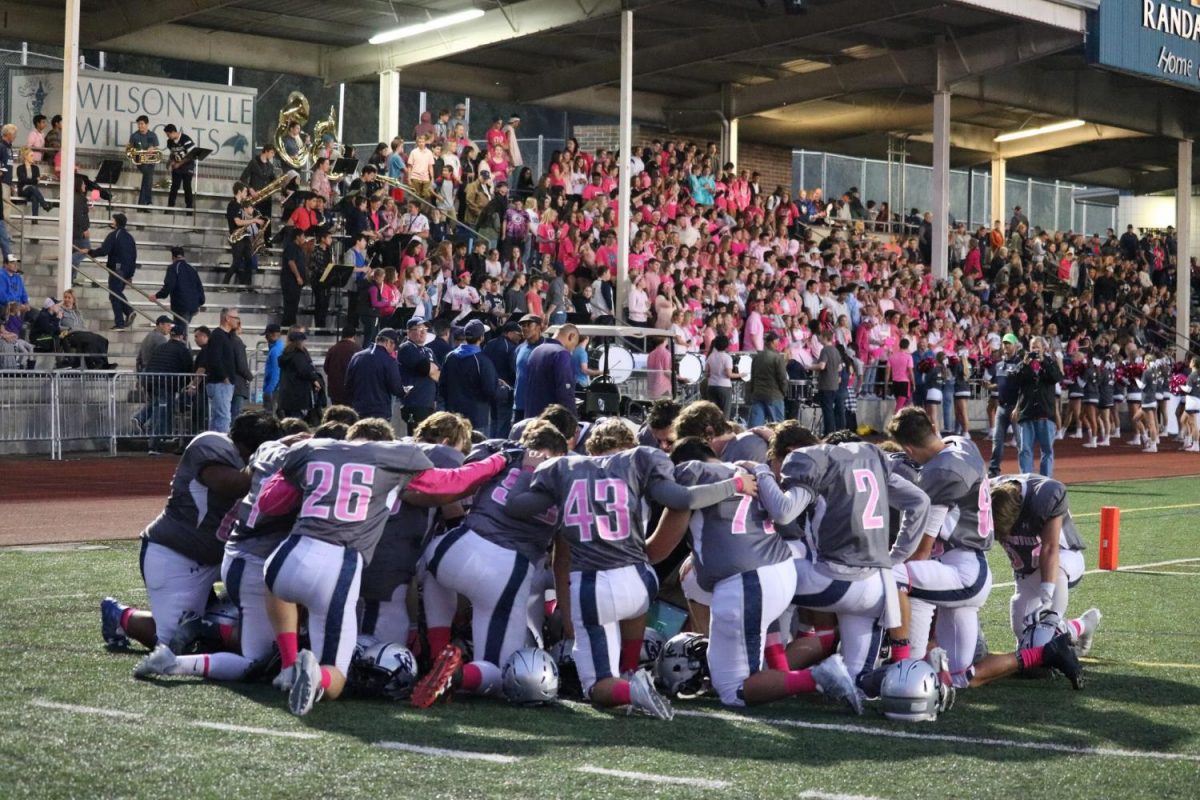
column 121, row 250
column 12, row 285
column 373, row 377
column 531, row 332
column 501, row 351
column 171, row 363
column 469, row 384
column 1008, row 393
column 550, row 373
column 420, row 372
column 183, row 286
column 156, row 337
column 274, row 336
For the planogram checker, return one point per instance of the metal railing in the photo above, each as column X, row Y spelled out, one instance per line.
column 65, row 406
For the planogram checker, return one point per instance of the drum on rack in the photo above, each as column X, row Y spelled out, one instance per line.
column 691, row 368
column 618, row 363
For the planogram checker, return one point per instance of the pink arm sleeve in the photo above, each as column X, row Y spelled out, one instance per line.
column 278, row 496
column 460, row 480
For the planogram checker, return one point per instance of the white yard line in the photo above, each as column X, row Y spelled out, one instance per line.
column 221, row 726
column 75, row 595
column 814, row 795
column 100, row 712
column 1130, row 568
column 982, row 741
column 466, row 755
column 703, row 783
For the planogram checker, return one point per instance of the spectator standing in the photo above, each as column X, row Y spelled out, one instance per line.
column 274, row 336
column 337, row 361
column 531, row 332
column 550, row 375
column 721, row 374
column 1007, row 395
column 659, row 369
column 768, row 382
column 243, row 376
column 219, row 362
column 182, row 286
column 80, row 225
column 172, row 363
column 418, row 370
column 373, row 377
column 121, row 251
column 299, row 381
column 829, row 380
column 156, row 337
column 291, row 277
column 469, row 384
column 501, row 351
column 1035, row 380
column 7, row 175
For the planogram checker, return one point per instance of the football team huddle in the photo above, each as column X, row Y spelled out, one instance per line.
column 559, row 562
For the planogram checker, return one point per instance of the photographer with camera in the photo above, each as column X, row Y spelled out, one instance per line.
column 1034, row 412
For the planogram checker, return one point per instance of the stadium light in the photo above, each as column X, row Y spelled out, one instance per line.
column 1030, row 132
column 424, row 27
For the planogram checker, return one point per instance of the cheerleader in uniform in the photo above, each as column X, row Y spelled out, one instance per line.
column 1191, row 400
column 1106, row 392
column 1090, row 379
column 960, row 367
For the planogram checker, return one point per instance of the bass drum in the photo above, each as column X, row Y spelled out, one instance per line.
column 743, row 364
column 618, row 364
column 691, row 368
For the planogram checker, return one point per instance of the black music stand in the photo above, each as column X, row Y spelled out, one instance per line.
column 345, row 166
column 110, row 171
column 339, row 276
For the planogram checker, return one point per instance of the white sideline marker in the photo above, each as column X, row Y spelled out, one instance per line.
column 466, row 755
column 814, row 795
column 221, row 726
column 1130, row 568
column 982, row 741
column 703, row 783
column 99, row 712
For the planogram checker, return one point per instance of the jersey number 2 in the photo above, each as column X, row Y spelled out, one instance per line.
column 354, row 483
column 865, row 481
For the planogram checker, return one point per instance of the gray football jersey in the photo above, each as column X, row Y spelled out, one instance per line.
column 957, row 479
column 852, row 479
column 253, row 532
column 733, row 536
column 348, row 488
column 531, row 538
column 188, row 525
column 748, row 446
column 1042, row 499
column 900, row 464
column 404, row 534
column 601, row 502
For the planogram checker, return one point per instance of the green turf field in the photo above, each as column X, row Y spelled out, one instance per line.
column 73, row 723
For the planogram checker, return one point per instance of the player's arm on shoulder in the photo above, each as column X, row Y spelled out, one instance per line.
column 903, row 495
column 539, row 496
column 781, row 506
column 672, row 526
column 225, row 479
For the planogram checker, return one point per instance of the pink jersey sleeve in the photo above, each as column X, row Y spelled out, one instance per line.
column 278, row 496
column 457, row 481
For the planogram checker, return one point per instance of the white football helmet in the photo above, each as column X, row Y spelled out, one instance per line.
column 383, row 669
column 1039, row 634
column 224, row 612
column 652, row 644
column 682, row 666
column 909, row 692
column 529, row 678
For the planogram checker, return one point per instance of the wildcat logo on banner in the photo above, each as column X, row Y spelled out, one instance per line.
column 220, row 118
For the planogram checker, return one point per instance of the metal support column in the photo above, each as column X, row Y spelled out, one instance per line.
column 341, row 109
column 1183, row 232
column 625, row 157
column 70, row 113
column 999, row 178
column 389, row 104
column 732, row 154
column 941, row 186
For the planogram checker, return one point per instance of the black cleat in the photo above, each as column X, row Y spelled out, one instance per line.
column 1060, row 655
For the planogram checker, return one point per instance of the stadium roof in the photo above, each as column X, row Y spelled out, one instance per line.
column 843, row 77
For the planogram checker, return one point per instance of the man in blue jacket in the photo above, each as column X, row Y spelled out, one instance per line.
column 469, row 383
column 418, row 370
column 373, row 377
column 274, row 336
column 550, row 375
column 501, row 351
column 121, row 251
column 531, row 332
column 183, row 286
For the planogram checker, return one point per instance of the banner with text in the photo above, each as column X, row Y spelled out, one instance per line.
column 1159, row 39
column 220, row 118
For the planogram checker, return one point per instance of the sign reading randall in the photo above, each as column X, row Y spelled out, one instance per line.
column 1155, row 38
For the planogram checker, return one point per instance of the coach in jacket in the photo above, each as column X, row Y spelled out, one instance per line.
column 469, row 382
column 121, row 251
column 373, row 377
column 183, row 286
column 1034, row 413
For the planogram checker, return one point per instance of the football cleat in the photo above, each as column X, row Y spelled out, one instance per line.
column 160, row 662
column 437, row 682
column 834, row 682
column 284, row 680
column 645, row 698
column 111, row 610
column 306, row 690
column 187, row 636
column 1059, row 655
column 940, row 661
column 1091, row 621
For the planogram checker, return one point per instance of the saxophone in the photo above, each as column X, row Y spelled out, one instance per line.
column 271, row 188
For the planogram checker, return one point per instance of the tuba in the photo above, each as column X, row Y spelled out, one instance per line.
column 140, row 157
column 324, row 140
column 296, row 111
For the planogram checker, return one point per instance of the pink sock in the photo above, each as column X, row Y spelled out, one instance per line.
column 550, row 605
column 438, row 639
column 206, row 665
column 777, row 657
column 472, row 678
column 1031, row 657
column 900, row 652
column 287, row 648
column 125, row 615
column 228, row 636
column 631, row 654
column 800, row 682
column 326, row 677
column 1076, row 627
column 620, row 693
